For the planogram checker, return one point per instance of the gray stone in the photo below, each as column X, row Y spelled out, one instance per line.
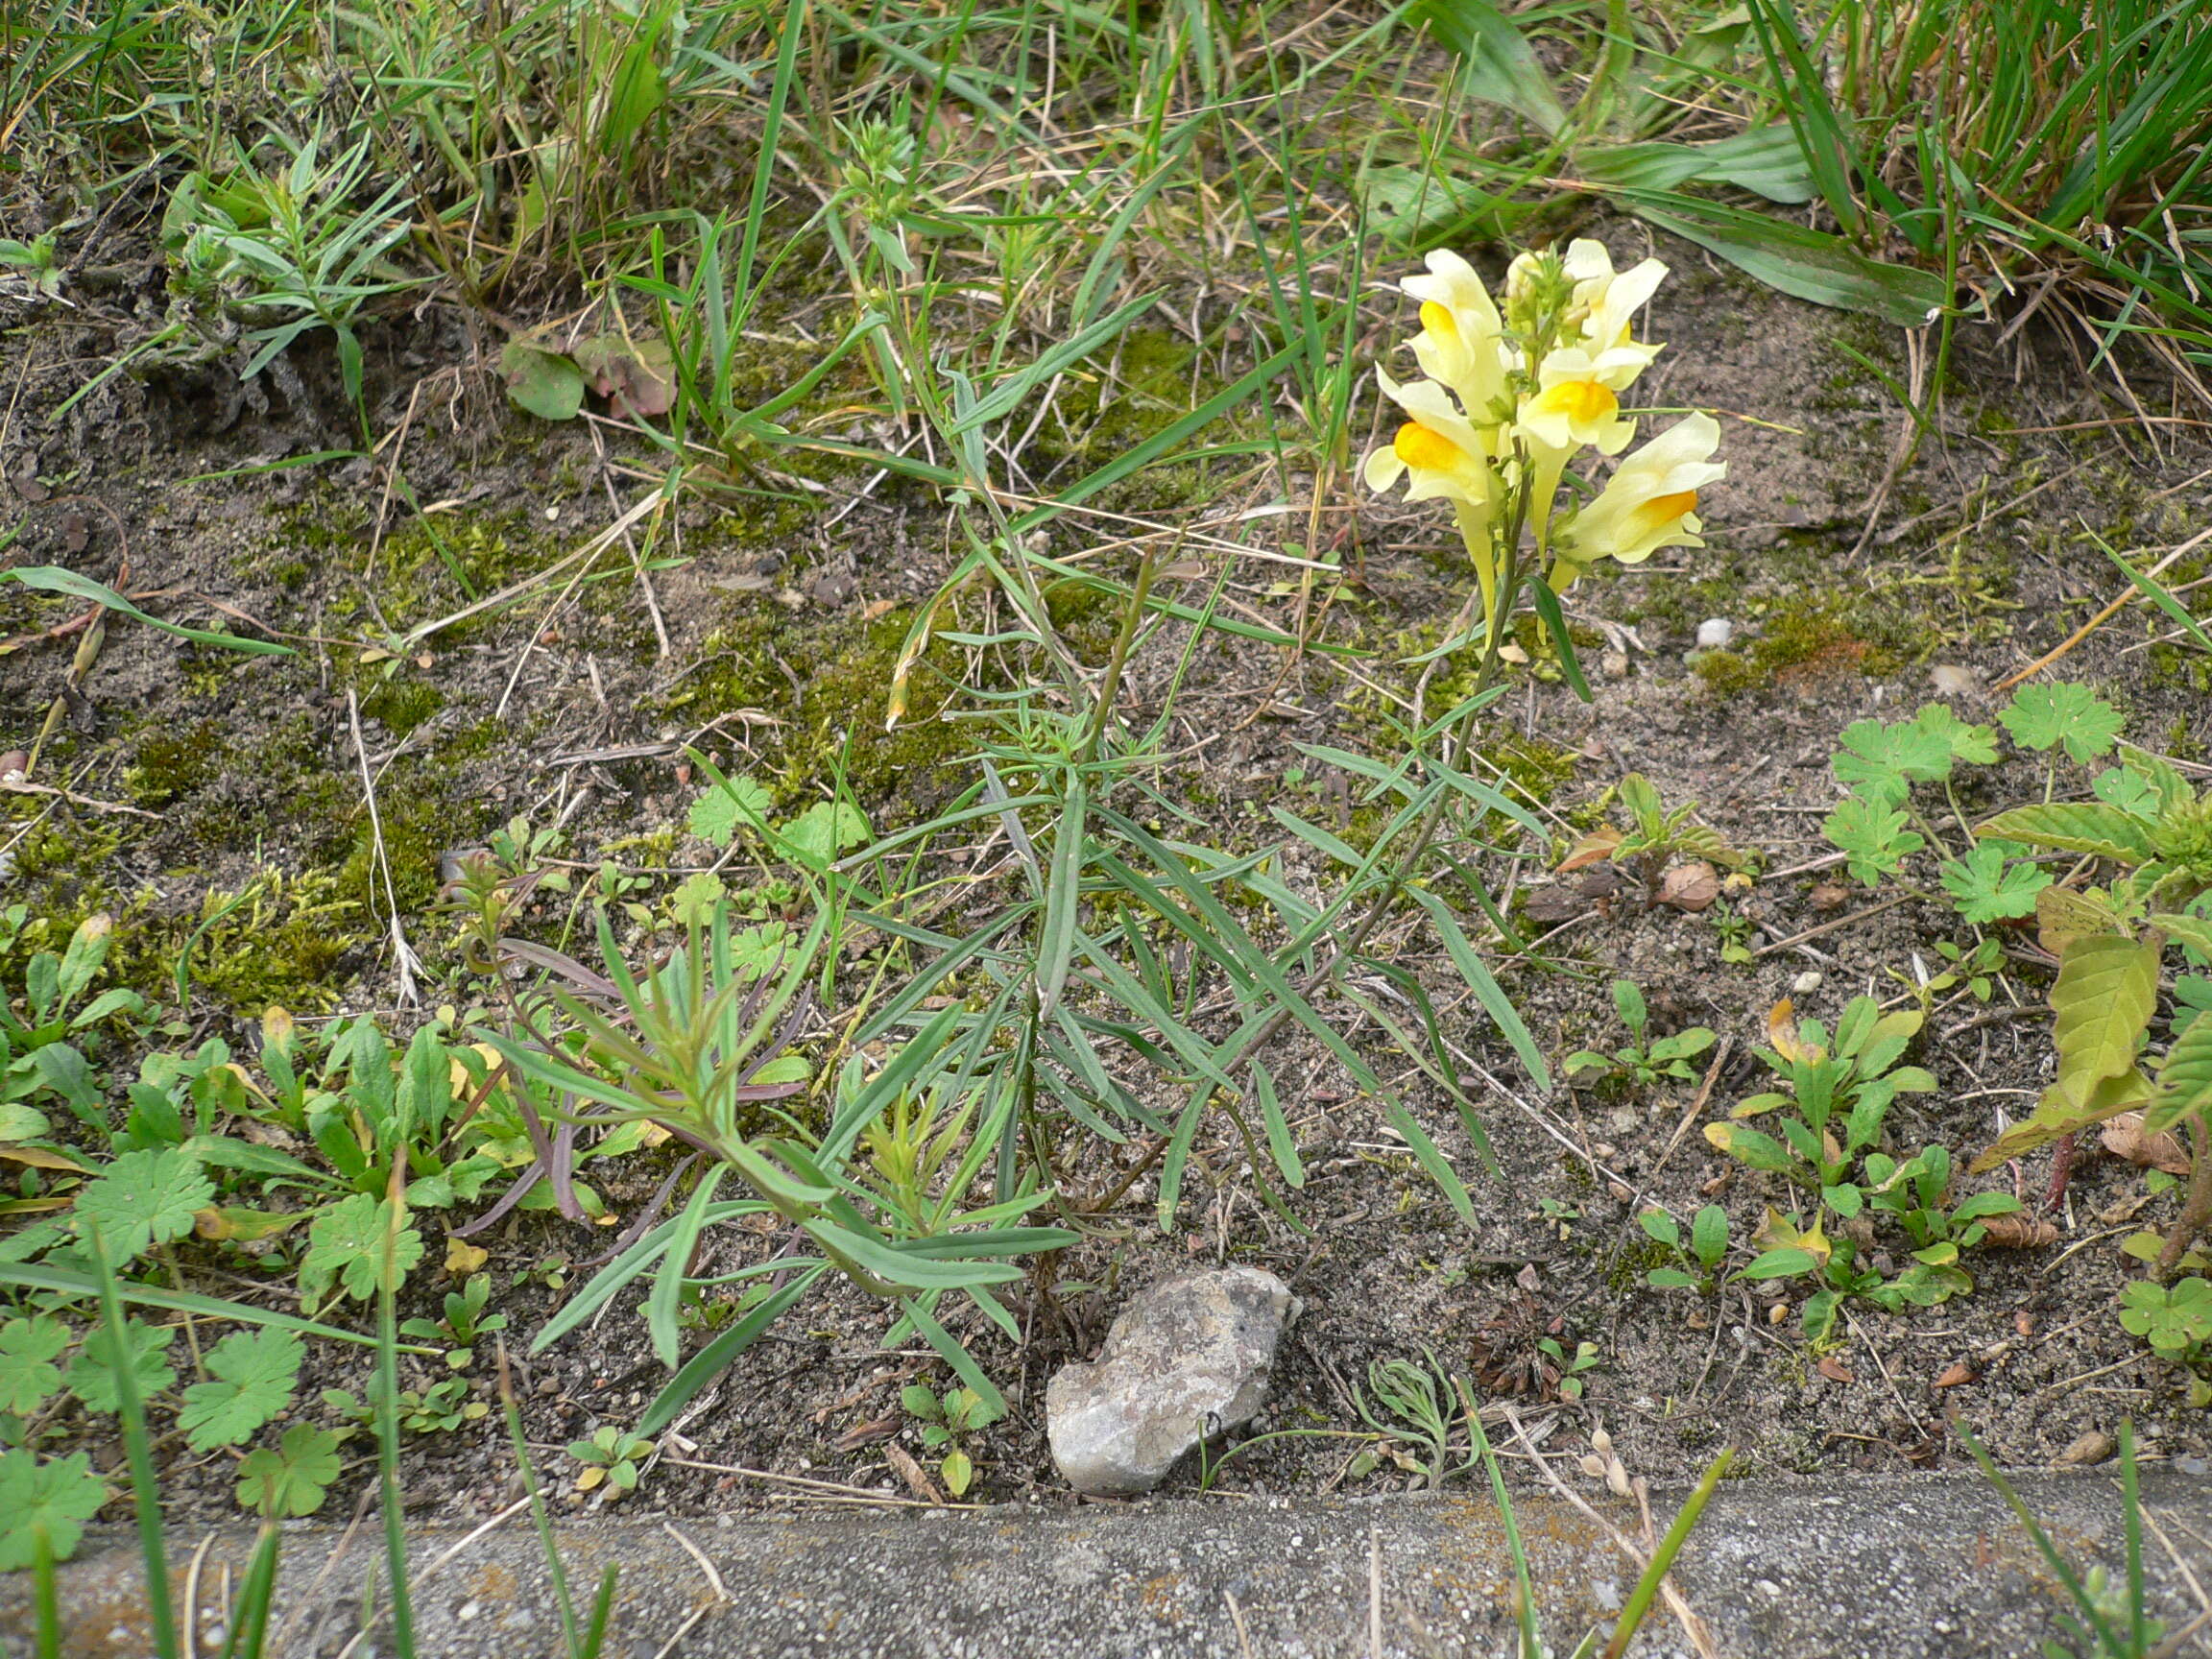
column 1715, row 632
column 1187, row 1359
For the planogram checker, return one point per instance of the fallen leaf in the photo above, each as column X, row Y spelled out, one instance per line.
column 1690, row 887
column 866, row 1433
column 24, row 476
column 2093, row 1447
column 75, row 532
column 1956, row 1375
column 2125, row 1137
column 1594, row 848
column 917, row 1481
column 463, row 1258
column 1829, row 896
column 2018, row 1231
column 1835, row 1370
column 1555, row 904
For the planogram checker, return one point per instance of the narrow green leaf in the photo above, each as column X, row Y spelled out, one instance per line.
column 53, row 579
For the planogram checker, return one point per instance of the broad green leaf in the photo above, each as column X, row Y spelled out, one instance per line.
column 290, row 1479
column 546, row 384
column 1498, row 66
column 346, row 1247
column 1709, row 1234
column 1750, row 1147
column 1766, row 160
column 2062, row 1112
column 2184, row 1080
column 254, row 1373
column 1785, row 1263
column 2107, row 990
column 1983, row 887
column 1881, row 762
column 2077, row 827
column 144, row 1200
column 2043, row 716
column 739, row 801
column 2194, row 931
column 1872, row 836
column 28, row 1375
column 1809, row 264
column 54, row 1497
column 92, row 1377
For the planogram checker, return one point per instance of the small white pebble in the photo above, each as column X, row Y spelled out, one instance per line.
column 466, row 1611
column 1950, row 680
column 552, row 515
column 1715, row 632
column 1805, row 984
column 1767, row 1587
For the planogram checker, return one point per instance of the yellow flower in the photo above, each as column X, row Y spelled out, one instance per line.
column 1608, row 300
column 1650, row 503
column 1462, row 342
column 1576, row 403
column 1444, row 456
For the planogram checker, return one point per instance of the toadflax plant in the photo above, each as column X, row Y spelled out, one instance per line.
column 1512, row 399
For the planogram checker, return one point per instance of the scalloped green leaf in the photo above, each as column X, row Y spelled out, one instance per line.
column 2077, row 826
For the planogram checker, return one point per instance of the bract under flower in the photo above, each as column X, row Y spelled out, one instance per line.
column 1650, row 503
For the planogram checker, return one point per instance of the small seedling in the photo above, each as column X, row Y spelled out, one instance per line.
column 1654, row 839
column 1645, row 1060
column 464, row 1323
column 1699, row 1260
column 2175, row 1319
column 611, row 1458
column 437, row 1410
column 945, row 1419
column 1569, row 1367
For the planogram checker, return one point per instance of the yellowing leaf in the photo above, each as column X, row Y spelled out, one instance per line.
column 2063, row 915
column 1782, row 1034
column 463, row 1258
column 2106, row 989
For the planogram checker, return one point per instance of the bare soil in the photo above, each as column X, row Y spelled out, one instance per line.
column 566, row 705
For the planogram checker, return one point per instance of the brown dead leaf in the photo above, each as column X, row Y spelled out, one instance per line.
column 1956, row 1375
column 1594, row 848
column 1690, row 887
column 868, row 1434
column 75, row 532
column 2018, row 1231
column 24, row 476
column 2125, row 1137
column 1555, row 904
column 2093, row 1447
column 1835, row 1370
column 917, row 1479
column 1829, row 896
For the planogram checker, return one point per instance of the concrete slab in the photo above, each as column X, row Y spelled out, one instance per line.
column 1912, row 1568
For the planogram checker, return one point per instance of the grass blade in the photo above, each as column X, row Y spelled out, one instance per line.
column 138, row 1451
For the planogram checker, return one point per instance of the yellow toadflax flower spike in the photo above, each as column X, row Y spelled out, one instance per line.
column 1650, row 503
column 1444, row 456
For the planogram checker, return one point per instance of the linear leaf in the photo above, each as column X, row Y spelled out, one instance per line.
column 1488, row 991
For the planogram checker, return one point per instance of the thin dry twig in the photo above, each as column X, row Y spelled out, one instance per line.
column 2101, row 617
